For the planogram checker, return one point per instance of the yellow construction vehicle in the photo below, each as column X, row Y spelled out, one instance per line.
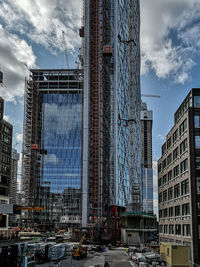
column 79, row 252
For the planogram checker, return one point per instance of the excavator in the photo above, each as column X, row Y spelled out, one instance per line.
column 79, row 252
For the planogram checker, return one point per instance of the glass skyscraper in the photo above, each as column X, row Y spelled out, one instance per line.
column 54, row 147
column 111, row 117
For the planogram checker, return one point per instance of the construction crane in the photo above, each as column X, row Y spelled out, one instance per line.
column 144, row 95
column 65, row 49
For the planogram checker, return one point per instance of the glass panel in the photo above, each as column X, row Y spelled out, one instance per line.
column 196, row 101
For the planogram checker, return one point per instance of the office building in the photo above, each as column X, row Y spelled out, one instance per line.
column 52, row 146
column 146, row 158
column 178, row 178
column 5, row 157
column 14, row 185
column 111, row 115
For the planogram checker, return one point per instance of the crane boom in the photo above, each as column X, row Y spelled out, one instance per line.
column 65, row 49
column 144, row 95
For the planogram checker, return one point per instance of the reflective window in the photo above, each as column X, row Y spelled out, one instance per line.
column 197, row 141
column 196, row 101
column 196, row 121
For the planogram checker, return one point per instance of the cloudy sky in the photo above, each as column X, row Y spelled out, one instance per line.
column 31, row 37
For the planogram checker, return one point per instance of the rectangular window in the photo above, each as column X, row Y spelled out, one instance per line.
column 170, row 193
column 171, row 212
column 165, row 213
column 165, row 179
column 5, row 159
column 197, row 121
column 185, row 209
column 177, row 211
column 3, row 191
column 160, row 213
column 197, row 141
column 186, row 229
column 178, row 229
column 5, row 149
column 164, row 148
column 159, row 168
column 160, row 228
column 198, row 185
column 5, row 169
column 159, row 181
column 160, row 198
column 183, row 127
column 196, row 101
column 169, row 159
column 176, row 190
column 175, row 153
column 176, row 171
column 175, row 135
column 185, row 187
column 169, row 142
column 165, row 229
column 184, row 165
column 183, row 146
column 169, row 175
column 197, row 162
column 165, row 196
column 7, row 129
column 5, row 139
column 164, row 164
column 171, row 229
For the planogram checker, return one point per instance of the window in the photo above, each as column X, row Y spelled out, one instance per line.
column 169, row 175
column 197, row 141
column 165, row 179
column 169, row 159
column 164, row 164
column 6, row 129
column 5, row 169
column 186, row 229
column 196, row 101
column 176, row 190
column 5, row 149
column 176, row 171
column 4, row 180
column 175, row 153
column 178, row 229
column 160, row 198
column 185, row 209
column 159, row 168
column 163, row 148
column 5, row 139
column 160, row 213
column 197, row 162
column 197, row 121
column 170, row 193
column 177, row 211
column 165, row 213
column 171, row 212
column 160, row 182
column 5, row 159
column 185, row 187
column 198, row 185
column 165, row 196
column 175, row 135
column 183, row 127
column 3, row 191
column 183, row 146
column 165, row 229
column 171, row 229
column 160, row 228
column 184, row 165
column 169, row 142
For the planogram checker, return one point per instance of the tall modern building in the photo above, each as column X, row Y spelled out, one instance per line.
column 179, row 179
column 146, row 158
column 14, row 184
column 52, row 146
column 111, row 114
column 5, row 158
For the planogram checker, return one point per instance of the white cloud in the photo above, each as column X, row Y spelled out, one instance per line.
column 16, row 57
column 19, row 137
column 165, row 53
column 43, row 21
